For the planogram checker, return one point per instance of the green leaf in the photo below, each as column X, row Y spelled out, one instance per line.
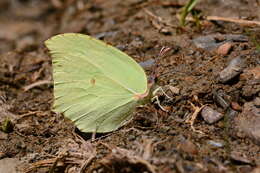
column 95, row 85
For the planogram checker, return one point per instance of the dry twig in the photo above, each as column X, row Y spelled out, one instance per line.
column 239, row 21
column 57, row 159
column 36, row 84
column 87, row 163
column 193, row 117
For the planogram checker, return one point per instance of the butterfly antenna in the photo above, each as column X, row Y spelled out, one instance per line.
column 154, row 77
column 155, row 69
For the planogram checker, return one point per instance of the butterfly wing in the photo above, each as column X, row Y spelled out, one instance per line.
column 94, row 84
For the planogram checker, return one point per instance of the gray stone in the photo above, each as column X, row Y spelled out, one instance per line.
column 248, row 121
column 234, row 68
column 210, row 115
column 213, row 41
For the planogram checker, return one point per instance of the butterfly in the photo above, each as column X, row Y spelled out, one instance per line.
column 96, row 85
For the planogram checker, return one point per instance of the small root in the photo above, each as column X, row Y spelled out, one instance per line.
column 194, row 116
column 36, row 84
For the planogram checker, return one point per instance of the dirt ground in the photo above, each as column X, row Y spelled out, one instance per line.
column 210, row 69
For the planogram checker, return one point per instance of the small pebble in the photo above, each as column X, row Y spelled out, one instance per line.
column 252, row 81
column 221, row 98
column 213, row 41
column 207, row 42
column 188, row 147
column 231, row 114
column 210, row 115
column 234, row 68
column 224, row 49
column 236, row 156
column 174, row 90
column 165, row 31
column 248, row 121
column 236, row 106
column 215, row 144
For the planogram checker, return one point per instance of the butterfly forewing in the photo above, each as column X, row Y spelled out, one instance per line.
column 94, row 84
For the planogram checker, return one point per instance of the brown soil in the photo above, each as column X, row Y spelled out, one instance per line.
column 154, row 140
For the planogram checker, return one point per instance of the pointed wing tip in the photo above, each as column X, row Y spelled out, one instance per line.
column 53, row 38
column 49, row 41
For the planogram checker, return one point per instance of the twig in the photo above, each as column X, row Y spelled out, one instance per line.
column 41, row 163
column 239, row 21
column 27, row 115
column 86, row 163
column 148, row 149
column 159, row 19
column 227, row 19
column 193, row 117
column 38, row 83
column 57, row 159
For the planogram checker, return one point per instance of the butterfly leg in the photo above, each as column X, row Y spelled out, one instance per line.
column 157, row 101
column 160, row 89
column 93, row 136
column 156, row 98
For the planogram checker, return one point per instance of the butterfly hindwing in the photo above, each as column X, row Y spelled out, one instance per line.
column 94, row 83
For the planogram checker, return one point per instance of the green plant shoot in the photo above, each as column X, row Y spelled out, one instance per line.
column 186, row 10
